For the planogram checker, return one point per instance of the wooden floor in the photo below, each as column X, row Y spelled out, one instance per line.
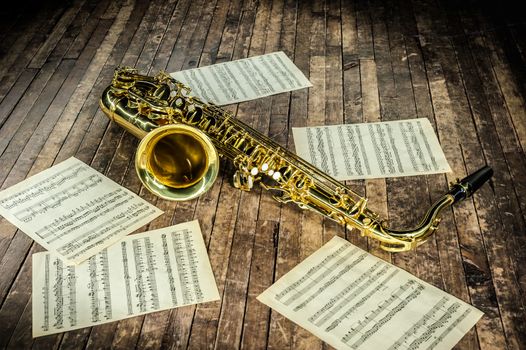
column 459, row 64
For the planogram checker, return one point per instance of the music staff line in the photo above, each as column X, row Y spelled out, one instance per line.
column 91, row 211
column 360, row 302
column 146, row 284
column 340, row 295
column 56, row 199
column 43, row 186
column 192, row 261
column 357, row 287
column 371, row 305
column 345, row 269
column 169, row 270
column 109, row 229
column 358, row 327
column 179, row 247
column 293, row 286
column 334, row 260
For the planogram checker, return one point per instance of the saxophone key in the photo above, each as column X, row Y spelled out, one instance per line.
column 243, row 181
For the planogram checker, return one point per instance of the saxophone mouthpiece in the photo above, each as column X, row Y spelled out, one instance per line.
column 156, row 108
column 470, row 184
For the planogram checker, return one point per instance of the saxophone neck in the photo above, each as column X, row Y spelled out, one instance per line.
column 153, row 105
column 402, row 240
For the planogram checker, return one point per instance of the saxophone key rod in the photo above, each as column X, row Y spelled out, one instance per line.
column 183, row 137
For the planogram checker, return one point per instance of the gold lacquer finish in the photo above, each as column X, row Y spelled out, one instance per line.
column 177, row 162
column 182, row 137
column 173, row 161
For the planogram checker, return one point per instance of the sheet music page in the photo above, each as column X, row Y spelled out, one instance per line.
column 73, row 210
column 372, row 150
column 354, row 300
column 245, row 79
column 142, row 273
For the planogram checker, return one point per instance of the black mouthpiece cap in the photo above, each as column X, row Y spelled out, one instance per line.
column 471, row 183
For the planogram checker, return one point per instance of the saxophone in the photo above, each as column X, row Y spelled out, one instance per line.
column 183, row 138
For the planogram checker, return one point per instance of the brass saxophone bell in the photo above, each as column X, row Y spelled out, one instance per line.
column 177, row 162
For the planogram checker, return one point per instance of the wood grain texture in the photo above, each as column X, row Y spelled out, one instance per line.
column 461, row 65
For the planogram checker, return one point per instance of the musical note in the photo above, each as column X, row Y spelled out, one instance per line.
column 93, row 289
column 45, row 294
column 58, row 292
column 74, row 211
column 353, row 288
column 72, row 295
column 42, row 187
column 55, row 199
column 293, row 286
column 143, row 273
column 359, row 301
column 169, row 270
column 323, row 268
column 104, row 275
column 350, row 307
column 182, row 267
column 127, row 277
column 146, row 286
column 331, row 281
column 192, row 263
column 450, row 328
column 379, row 322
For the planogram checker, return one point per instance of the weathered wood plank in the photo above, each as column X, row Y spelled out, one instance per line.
column 10, row 19
column 49, row 147
column 77, row 100
column 257, row 114
column 334, row 99
column 10, row 156
column 502, row 31
column 507, row 107
column 156, row 325
column 467, row 228
column 90, row 119
column 226, row 201
column 31, row 136
column 184, row 40
column 15, row 94
column 171, row 35
column 25, row 47
column 121, row 167
column 459, row 65
column 56, row 35
column 428, row 253
column 270, row 116
column 352, row 93
column 476, row 266
column 28, row 99
column 13, row 145
column 379, row 85
column 281, row 331
column 486, row 106
column 375, row 189
column 311, row 226
column 365, row 48
column 397, row 102
column 83, row 26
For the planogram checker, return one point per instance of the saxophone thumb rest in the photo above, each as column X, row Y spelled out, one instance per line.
column 183, row 137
